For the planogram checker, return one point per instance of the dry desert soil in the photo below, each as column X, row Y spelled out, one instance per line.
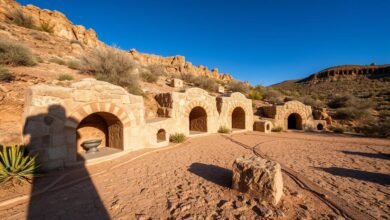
column 192, row 181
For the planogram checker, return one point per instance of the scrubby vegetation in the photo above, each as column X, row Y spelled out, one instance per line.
column 5, row 76
column 73, row 64
column 152, row 73
column 238, row 86
column 338, row 129
column 47, row 27
column 277, row 129
column 57, row 60
column 349, row 107
column 177, row 138
column 224, row 130
column 64, row 77
column 18, row 17
column 16, row 164
column 201, row 81
column 112, row 65
column 15, row 54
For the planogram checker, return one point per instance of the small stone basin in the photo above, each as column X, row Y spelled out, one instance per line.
column 91, row 145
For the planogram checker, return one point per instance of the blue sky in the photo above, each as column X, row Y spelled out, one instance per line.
column 263, row 41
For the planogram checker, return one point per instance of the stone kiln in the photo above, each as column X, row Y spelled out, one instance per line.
column 58, row 119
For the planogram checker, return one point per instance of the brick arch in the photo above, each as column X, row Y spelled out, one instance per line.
column 194, row 104
column 235, row 105
column 77, row 115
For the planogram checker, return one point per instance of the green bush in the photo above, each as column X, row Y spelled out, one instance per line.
column 273, row 96
column 177, row 138
column 19, row 18
column 377, row 129
column 15, row 54
column 57, row 60
column 16, row 164
column 46, row 26
column 255, row 94
column 224, row 130
column 351, row 113
column 113, row 66
column 5, row 76
column 64, row 77
column 277, row 129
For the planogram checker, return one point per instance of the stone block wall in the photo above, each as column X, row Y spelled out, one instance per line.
column 229, row 104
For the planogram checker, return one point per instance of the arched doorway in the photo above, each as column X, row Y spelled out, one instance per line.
column 198, row 120
column 294, row 121
column 238, row 118
column 161, row 135
column 100, row 125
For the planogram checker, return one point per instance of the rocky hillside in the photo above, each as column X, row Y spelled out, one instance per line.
column 367, row 85
column 64, row 28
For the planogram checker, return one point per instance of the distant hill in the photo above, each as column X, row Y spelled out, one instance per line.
column 367, row 82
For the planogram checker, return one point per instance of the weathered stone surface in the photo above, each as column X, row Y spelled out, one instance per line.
column 259, row 177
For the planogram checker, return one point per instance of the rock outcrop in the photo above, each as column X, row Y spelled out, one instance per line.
column 349, row 72
column 61, row 25
column 259, row 177
column 178, row 65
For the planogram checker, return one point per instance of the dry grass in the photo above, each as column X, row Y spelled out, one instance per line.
column 19, row 18
column 15, row 54
column 112, row 65
column 201, row 81
column 5, row 76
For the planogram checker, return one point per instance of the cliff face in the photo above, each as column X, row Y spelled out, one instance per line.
column 178, row 65
column 62, row 26
column 349, row 72
column 88, row 37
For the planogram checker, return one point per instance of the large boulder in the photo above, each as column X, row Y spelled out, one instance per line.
column 259, row 177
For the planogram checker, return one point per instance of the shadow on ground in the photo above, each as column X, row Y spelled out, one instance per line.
column 212, row 173
column 379, row 178
column 79, row 200
column 370, row 155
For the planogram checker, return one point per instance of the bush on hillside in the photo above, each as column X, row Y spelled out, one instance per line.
column 351, row 113
column 273, row 96
column 73, row 64
column 57, row 60
column 113, row 66
column 65, row 77
column 16, row 54
column 177, row 138
column 46, row 26
column 238, row 86
column 201, row 81
column 19, row 18
column 5, row 76
column 377, row 129
column 148, row 76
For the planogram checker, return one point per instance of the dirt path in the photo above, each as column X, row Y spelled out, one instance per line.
column 191, row 180
column 354, row 169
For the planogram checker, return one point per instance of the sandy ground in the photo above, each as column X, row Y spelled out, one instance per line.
column 355, row 169
column 190, row 180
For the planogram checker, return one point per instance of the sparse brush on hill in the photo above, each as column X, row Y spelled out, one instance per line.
column 64, row 77
column 152, row 73
column 238, row 86
column 377, row 129
column 22, row 19
column 349, row 107
column 112, row 65
column 57, row 60
column 273, row 96
column 201, row 81
column 5, row 76
column 46, row 26
column 12, row 53
column 256, row 92
column 73, row 64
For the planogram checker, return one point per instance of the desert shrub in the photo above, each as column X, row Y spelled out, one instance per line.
column 377, row 129
column 200, row 81
column 148, row 76
column 113, row 66
column 46, row 26
column 350, row 113
column 64, row 77
column 57, row 60
column 338, row 129
column 224, row 130
column 256, row 95
column 277, row 129
column 5, row 76
column 177, row 138
column 311, row 101
column 341, row 101
column 19, row 18
column 273, row 96
column 73, row 64
column 15, row 54
column 238, row 86
column 188, row 77
column 157, row 69
column 16, row 164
